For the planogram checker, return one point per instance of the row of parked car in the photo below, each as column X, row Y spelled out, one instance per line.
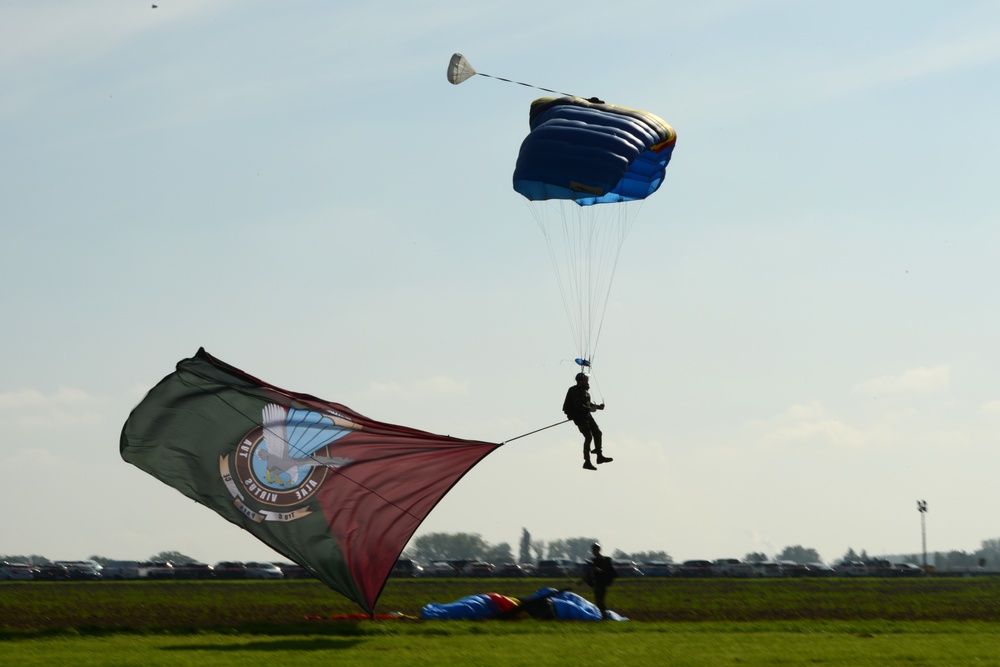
column 732, row 567
column 723, row 567
column 475, row 568
column 131, row 569
column 404, row 567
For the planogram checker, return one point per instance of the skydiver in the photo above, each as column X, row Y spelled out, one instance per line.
column 579, row 407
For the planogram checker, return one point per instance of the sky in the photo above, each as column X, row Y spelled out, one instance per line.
column 801, row 336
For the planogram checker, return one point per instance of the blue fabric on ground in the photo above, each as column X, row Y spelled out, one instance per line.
column 473, row 607
column 569, row 606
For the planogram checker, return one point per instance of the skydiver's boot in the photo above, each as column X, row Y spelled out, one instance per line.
column 587, row 465
column 599, row 450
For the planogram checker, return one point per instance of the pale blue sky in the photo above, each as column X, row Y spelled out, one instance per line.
column 802, row 335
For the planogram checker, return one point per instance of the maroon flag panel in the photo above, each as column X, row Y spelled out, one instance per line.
column 332, row 490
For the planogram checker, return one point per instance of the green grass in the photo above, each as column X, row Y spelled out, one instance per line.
column 255, row 606
column 677, row 622
column 539, row 644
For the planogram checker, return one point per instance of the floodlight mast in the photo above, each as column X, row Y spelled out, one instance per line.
column 922, row 508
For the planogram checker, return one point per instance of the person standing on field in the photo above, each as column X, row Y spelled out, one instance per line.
column 600, row 574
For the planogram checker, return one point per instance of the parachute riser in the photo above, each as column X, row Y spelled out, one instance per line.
column 527, row 85
column 460, row 69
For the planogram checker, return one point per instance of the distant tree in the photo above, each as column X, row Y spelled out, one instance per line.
column 800, row 554
column 449, row 546
column 498, row 553
column 524, row 554
column 755, row 557
column 100, row 560
column 850, row 555
column 173, row 557
column 538, row 548
column 955, row 559
column 573, row 548
column 989, row 551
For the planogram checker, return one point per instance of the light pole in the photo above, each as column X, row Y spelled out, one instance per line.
column 922, row 508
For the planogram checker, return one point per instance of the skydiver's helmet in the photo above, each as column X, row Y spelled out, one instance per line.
column 580, row 377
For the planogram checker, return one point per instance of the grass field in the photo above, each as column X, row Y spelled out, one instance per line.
column 676, row 622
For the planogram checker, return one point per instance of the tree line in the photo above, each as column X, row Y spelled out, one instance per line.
column 175, row 557
column 471, row 546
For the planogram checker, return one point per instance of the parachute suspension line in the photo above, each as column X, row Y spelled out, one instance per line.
column 596, row 386
column 584, row 245
column 563, row 264
column 623, row 226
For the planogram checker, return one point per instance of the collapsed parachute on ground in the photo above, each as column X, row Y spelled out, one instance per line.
column 545, row 604
column 330, row 489
column 587, row 166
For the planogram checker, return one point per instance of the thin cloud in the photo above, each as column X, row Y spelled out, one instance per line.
column 59, row 32
column 808, row 424
column 915, row 63
column 433, row 387
column 35, row 458
column 990, row 408
column 64, row 408
column 33, row 399
column 916, row 381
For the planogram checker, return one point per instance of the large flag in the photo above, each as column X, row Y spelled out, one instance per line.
column 336, row 492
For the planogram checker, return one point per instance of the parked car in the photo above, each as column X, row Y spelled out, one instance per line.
column 852, row 568
column 16, row 571
column 907, row 570
column 121, row 569
column 732, row 567
column 553, row 568
column 694, row 568
column 440, row 568
column 156, row 569
column 627, row 568
column 405, row 567
column 510, row 570
column 820, row 570
column 50, row 572
column 229, row 569
column 193, row 570
column 790, row 568
column 255, row 570
column 767, row 569
column 879, row 567
column 477, row 568
column 293, row 571
column 81, row 569
column 657, row 569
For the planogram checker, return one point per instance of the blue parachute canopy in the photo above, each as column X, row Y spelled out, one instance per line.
column 591, row 152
